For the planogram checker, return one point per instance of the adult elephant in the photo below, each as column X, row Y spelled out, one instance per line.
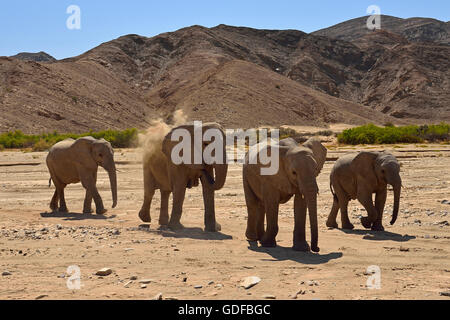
column 72, row 161
column 298, row 167
column 164, row 171
column 359, row 176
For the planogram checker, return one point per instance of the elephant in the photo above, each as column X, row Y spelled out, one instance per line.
column 298, row 168
column 358, row 176
column 161, row 172
column 72, row 161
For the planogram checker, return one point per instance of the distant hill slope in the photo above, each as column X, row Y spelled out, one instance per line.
column 74, row 97
column 413, row 29
column 237, row 76
column 37, row 57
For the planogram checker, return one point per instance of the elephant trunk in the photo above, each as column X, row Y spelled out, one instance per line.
column 111, row 169
column 220, row 172
column 221, row 169
column 397, row 186
column 311, row 201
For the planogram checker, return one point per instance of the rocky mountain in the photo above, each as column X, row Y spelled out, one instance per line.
column 37, row 57
column 237, row 76
column 412, row 29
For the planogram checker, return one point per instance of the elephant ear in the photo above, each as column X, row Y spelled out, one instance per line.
column 168, row 145
column 279, row 180
column 288, row 142
column 363, row 165
column 319, row 152
column 81, row 151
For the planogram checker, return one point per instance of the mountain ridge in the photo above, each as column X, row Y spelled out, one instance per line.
column 291, row 77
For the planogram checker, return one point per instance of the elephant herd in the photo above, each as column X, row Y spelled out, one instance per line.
column 354, row 176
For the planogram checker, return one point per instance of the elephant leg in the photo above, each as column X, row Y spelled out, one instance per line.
column 343, row 205
column 331, row 221
column 179, row 192
column 260, row 216
column 208, row 200
column 300, row 243
column 271, row 205
column 255, row 222
column 54, row 202
column 149, row 192
column 88, row 182
column 255, row 212
column 62, row 199
column 59, row 195
column 365, row 198
column 164, row 212
column 380, row 201
column 87, row 207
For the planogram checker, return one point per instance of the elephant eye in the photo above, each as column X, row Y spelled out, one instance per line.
column 294, row 173
column 100, row 155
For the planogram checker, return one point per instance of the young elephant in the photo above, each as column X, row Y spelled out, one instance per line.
column 160, row 172
column 72, row 161
column 296, row 176
column 358, row 176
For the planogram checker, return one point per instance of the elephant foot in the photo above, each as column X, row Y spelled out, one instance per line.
column 251, row 236
column 144, row 215
column 101, row 211
column 315, row 249
column 301, row 246
column 175, row 226
column 377, row 227
column 348, row 226
column 88, row 211
column 63, row 210
column 163, row 222
column 366, row 222
column 268, row 243
column 332, row 224
column 216, row 228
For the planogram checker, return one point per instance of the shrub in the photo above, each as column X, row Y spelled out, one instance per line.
column 41, row 145
column 18, row 140
column 371, row 134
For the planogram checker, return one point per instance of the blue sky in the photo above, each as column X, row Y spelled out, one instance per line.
column 33, row 26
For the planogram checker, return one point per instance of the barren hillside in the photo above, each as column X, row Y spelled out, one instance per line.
column 413, row 29
column 237, row 76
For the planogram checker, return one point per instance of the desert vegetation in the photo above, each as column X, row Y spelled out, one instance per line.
column 40, row 142
column 389, row 134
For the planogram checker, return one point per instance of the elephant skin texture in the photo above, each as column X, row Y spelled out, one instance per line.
column 160, row 172
column 74, row 161
column 298, row 168
column 359, row 176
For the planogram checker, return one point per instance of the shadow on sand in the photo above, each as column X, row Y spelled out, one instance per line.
column 379, row 235
column 283, row 253
column 72, row 216
column 186, row 233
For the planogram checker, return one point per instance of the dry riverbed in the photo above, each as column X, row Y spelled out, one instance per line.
column 141, row 261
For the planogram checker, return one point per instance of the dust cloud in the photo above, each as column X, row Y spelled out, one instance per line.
column 151, row 141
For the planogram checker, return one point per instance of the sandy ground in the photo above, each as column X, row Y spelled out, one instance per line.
column 37, row 247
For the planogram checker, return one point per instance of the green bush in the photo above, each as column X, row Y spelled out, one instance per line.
column 18, row 140
column 371, row 134
column 41, row 145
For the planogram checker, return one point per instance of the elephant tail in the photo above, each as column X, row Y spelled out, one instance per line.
column 332, row 191
column 50, row 182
